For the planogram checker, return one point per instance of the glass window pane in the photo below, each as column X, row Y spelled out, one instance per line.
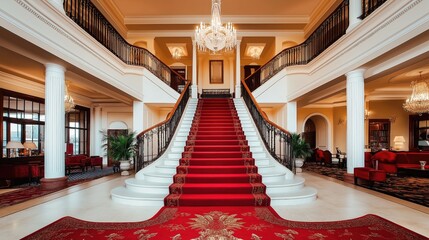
column 5, row 106
column 4, row 152
column 28, row 109
column 15, row 132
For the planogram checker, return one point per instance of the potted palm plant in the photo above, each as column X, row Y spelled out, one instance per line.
column 300, row 150
column 121, row 148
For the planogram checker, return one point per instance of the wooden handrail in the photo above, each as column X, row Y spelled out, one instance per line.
column 169, row 114
column 260, row 109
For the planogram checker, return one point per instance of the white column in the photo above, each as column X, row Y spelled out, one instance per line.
column 98, row 135
column 58, row 4
column 194, row 87
column 237, row 70
column 291, row 116
column 138, row 111
column 355, row 119
column 54, row 127
column 231, row 75
column 355, row 11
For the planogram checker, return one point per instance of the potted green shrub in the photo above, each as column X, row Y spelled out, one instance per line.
column 121, row 148
column 300, row 150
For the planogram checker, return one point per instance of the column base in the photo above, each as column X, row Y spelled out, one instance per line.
column 53, row 183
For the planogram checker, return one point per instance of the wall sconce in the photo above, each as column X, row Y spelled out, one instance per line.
column 399, row 142
column 367, row 112
column 341, row 121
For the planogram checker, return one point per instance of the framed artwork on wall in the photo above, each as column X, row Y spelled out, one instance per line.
column 216, row 71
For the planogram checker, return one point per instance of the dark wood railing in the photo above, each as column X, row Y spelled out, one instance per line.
column 153, row 142
column 88, row 17
column 334, row 26
column 369, row 6
column 276, row 139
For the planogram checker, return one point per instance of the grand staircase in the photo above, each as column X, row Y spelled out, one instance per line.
column 216, row 158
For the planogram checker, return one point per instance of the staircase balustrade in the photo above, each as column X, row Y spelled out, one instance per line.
column 276, row 139
column 89, row 18
column 153, row 142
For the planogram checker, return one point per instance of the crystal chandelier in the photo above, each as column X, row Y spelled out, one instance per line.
column 68, row 100
column 418, row 102
column 215, row 36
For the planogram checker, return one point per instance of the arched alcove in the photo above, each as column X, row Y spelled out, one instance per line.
column 319, row 130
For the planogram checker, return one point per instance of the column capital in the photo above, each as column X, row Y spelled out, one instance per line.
column 356, row 73
column 54, row 67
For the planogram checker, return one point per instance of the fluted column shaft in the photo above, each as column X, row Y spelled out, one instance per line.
column 237, row 70
column 138, row 111
column 194, row 87
column 54, row 121
column 355, row 119
column 98, row 135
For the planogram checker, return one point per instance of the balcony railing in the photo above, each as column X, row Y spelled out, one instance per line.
column 153, row 142
column 327, row 33
column 88, row 17
column 276, row 139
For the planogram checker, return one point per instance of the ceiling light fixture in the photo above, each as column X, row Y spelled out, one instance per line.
column 418, row 102
column 68, row 100
column 216, row 36
column 177, row 54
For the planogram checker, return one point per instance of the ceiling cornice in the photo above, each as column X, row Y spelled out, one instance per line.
column 196, row 19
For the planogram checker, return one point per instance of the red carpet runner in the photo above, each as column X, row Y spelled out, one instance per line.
column 217, row 194
column 217, row 167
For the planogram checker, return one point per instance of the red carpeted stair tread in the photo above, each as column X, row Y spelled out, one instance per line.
column 217, row 178
column 217, row 154
column 216, row 169
column 216, row 142
column 209, row 148
column 217, row 161
column 217, row 188
column 220, row 200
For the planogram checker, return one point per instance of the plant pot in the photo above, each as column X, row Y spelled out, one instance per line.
column 299, row 162
column 124, row 166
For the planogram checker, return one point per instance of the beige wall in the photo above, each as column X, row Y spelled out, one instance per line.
column 340, row 128
column 203, row 72
column 322, row 118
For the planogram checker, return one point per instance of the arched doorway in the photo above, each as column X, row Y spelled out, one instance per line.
column 316, row 131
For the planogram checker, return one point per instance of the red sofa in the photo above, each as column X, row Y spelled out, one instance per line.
column 76, row 162
column 391, row 161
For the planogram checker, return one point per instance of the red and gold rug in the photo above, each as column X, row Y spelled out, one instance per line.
column 218, row 194
column 225, row 223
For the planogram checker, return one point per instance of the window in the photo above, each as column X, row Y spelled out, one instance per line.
column 77, row 130
column 23, row 120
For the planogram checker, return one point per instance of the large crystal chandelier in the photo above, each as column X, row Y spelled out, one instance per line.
column 68, row 100
column 418, row 102
column 215, row 36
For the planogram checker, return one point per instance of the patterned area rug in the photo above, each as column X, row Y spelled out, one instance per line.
column 225, row 223
column 25, row 192
column 412, row 189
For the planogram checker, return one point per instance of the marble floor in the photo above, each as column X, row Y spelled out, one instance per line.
column 91, row 201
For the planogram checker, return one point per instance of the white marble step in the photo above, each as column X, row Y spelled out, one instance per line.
column 302, row 196
column 125, row 196
column 145, row 186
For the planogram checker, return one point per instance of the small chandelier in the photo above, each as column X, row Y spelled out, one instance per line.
column 68, row 100
column 418, row 102
column 215, row 36
column 177, row 54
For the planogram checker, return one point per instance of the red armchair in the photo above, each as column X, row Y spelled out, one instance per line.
column 96, row 161
column 76, row 162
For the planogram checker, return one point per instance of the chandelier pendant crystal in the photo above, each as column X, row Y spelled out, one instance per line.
column 68, row 100
column 216, row 36
column 418, row 102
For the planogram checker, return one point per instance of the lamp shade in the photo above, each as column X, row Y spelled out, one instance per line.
column 399, row 139
column 14, row 144
column 30, row 145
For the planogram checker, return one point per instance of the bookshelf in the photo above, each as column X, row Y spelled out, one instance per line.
column 379, row 134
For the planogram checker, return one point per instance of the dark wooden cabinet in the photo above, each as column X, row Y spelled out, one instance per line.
column 379, row 134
